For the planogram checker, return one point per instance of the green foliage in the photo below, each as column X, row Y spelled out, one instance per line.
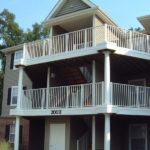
column 138, row 29
column 37, row 32
column 10, row 32
column 5, row 145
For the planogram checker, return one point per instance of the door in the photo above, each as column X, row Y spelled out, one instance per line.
column 57, row 137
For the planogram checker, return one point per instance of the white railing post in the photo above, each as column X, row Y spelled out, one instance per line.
column 66, row 42
column 82, row 95
column 137, row 97
column 130, row 40
column 93, row 81
column 44, row 47
column 43, row 98
column 106, row 33
column 85, row 38
column 24, row 51
column 48, row 87
column 148, row 43
column 67, row 94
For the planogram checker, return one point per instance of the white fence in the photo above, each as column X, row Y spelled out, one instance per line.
column 86, row 38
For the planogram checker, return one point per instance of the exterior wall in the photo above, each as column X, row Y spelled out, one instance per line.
column 25, row 130
column 58, row 120
column 11, row 79
column 71, row 6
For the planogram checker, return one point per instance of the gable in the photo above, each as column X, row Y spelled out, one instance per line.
column 71, row 6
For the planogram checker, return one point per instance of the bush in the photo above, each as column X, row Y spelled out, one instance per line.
column 5, row 145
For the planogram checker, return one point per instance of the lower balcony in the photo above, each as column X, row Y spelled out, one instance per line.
column 84, row 99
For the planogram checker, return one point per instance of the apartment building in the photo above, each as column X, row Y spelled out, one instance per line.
column 85, row 87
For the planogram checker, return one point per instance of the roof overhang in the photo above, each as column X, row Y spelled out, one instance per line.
column 145, row 21
column 13, row 48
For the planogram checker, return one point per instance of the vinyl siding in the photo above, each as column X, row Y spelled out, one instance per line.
column 71, row 6
column 11, row 79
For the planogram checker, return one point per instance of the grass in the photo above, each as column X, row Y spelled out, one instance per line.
column 5, row 145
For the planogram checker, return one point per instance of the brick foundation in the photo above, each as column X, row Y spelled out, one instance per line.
column 25, row 130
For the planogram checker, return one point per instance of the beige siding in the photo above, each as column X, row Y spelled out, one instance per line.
column 11, row 79
column 71, row 6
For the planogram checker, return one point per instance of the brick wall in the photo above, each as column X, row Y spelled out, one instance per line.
column 25, row 130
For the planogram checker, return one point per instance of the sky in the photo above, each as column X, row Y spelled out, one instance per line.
column 124, row 12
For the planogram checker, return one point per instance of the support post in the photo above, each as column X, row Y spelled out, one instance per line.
column 93, row 81
column 107, row 132
column 48, row 87
column 50, row 40
column 20, row 86
column 94, row 30
column 17, row 130
column 107, row 77
column 93, row 132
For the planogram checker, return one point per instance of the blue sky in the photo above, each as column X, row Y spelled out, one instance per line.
column 124, row 12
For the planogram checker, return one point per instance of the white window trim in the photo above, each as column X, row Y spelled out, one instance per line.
column 16, row 60
column 11, row 133
column 144, row 125
column 12, row 96
column 136, row 80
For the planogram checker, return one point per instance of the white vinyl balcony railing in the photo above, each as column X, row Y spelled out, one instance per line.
column 80, row 96
column 123, row 95
column 74, row 96
column 87, row 38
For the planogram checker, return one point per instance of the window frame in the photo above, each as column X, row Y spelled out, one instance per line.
column 12, row 133
column 13, row 87
column 16, row 59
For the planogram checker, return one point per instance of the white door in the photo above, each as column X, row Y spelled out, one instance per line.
column 57, row 137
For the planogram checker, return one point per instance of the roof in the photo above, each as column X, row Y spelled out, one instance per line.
column 145, row 21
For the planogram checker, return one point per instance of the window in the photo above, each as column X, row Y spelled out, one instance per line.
column 14, row 95
column 17, row 57
column 11, row 133
column 138, row 137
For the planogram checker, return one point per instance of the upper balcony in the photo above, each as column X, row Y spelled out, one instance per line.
column 85, row 42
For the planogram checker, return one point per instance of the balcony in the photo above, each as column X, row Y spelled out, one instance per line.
column 85, row 99
column 86, row 42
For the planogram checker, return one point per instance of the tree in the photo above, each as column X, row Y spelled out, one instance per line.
column 10, row 32
column 37, row 32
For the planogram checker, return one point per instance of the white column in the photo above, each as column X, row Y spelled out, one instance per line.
column 51, row 31
column 93, row 81
column 107, row 77
column 48, row 85
column 93, row 132
column 94, row 30
column 17, row 128
column 107, row 132
column 20, row 86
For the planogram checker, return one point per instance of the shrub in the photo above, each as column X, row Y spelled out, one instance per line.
column 5, row 145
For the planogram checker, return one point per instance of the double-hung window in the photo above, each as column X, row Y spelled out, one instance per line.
column 17, row 57
column 14, row 95
column 11, row 133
